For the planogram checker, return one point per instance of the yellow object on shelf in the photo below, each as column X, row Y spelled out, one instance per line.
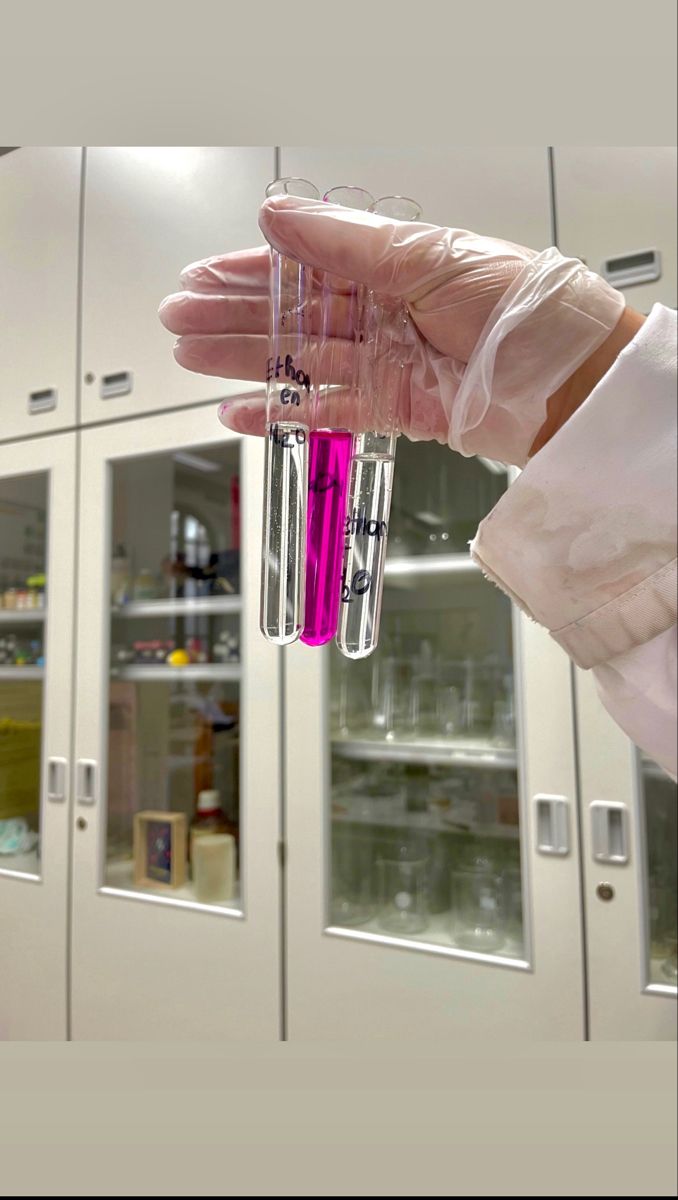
column 178, row 658
column 19, row 768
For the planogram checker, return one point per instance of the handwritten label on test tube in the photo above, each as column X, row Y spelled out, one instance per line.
column 371, row 482
column 288, row 420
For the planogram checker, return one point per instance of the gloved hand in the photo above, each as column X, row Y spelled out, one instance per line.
column 498, row 330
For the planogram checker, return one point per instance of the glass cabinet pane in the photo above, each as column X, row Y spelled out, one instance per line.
column 425, row 837
column 173, row 817
column 660, row 809
column 23, row 557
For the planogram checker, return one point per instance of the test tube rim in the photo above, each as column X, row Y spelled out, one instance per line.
column 349, row 187
column 396, row 196
column 285, row 191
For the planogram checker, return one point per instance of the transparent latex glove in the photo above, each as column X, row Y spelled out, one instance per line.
column 498, row 331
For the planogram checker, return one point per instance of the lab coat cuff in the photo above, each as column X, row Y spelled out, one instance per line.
column 584, row 541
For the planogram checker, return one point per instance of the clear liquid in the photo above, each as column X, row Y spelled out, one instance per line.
column 366, row 535
column 284, row 532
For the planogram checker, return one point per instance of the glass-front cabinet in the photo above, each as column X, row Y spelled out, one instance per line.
column 630, row 850
column 659, row 817
column 176, row 811
column 203, row 836
column 37, row 540
column 424, row 810
column 174, row 691
column 432, row 878
column 23, row 551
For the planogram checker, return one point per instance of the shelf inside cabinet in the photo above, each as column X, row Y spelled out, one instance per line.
column 422, row 822
column 193, row 672
column 430, row 565
column 192, row 607
column 21, row 673
column 434, row 752
column 22, row 616
column 436, row 937
column 120, row 878
column 27, row 864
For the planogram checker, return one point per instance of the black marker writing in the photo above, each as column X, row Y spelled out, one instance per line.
column 296, row 374
column 359, row 585
column 287, row 438
column 361, row 526
column 323, row 483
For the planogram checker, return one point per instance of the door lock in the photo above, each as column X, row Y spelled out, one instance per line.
column 605, row 891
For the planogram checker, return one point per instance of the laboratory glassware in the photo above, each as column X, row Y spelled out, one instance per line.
column 288, row 421
column 383, row 330
column 404, row 893
column 513, row 889
column 352, row 876
column 478, row 906
column 330, row 447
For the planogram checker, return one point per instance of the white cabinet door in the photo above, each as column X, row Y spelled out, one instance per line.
column 37, row 543
column 619, row 203
column 149, row 211
column 39, row 217
column 432, row 845
column 629, row 846
column 177, row 695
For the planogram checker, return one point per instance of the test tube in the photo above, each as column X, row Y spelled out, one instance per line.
column 383, row 321
column 330, row 448
column 288, row 420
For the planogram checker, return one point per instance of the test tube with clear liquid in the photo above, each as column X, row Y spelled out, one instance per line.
column 330, row 446
column 288, row 423
column 383, row 324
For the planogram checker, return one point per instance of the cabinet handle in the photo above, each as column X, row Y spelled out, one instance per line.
column 42, row 401
column 118, row 384
column 553, row 824
column 86, row 781
column 610, row 831
column 56, row 779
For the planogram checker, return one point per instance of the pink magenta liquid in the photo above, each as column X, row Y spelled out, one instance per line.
column 328, row 468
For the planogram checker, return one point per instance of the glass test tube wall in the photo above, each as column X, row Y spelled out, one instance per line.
column 383, row 323
column 288, row 421
column 331, row 442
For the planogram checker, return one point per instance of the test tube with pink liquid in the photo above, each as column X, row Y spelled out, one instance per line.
column 330, row 444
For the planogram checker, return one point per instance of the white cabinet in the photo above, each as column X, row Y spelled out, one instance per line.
column 414, row 863
column 617, row 203
column 499, row 191
column 169, row 571
column 39, row 218
column 37, row 543
column 148, row 212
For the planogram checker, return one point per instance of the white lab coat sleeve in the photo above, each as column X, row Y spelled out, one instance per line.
column 584, row 541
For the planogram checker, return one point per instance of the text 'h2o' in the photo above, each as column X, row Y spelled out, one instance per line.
column 287, row 438
column 288, row 395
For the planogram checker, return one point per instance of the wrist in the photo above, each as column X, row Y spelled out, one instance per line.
column 572, row 394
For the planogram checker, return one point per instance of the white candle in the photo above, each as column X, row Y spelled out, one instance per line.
column 213, row 862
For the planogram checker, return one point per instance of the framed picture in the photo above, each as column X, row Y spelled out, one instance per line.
column 159, row 849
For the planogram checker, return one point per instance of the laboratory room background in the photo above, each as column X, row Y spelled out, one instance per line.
column 288, row 749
